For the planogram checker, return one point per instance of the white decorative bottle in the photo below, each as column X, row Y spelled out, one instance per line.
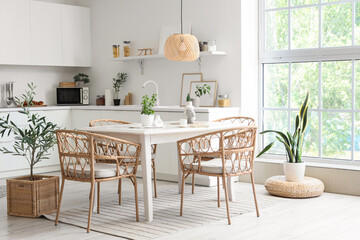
column 189, row 110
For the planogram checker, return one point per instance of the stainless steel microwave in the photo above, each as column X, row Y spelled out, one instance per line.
column 72, row 96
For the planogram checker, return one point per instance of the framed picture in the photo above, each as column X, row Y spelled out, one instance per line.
column 207, row 100
column 187, row 78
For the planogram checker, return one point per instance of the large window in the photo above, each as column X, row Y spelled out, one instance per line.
column 312, row 46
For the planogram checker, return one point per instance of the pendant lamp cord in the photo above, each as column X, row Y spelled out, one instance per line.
column 181, row 11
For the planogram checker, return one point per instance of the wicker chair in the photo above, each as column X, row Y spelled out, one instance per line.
column 234, row 150
column 108, row 122
column 243, row 121
column 78, row 154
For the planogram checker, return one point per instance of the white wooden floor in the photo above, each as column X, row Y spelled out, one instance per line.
column 330, row 216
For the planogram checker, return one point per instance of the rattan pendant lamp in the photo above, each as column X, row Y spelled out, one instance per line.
column 182, row 47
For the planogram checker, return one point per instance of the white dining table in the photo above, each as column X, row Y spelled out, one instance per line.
column 170, row 132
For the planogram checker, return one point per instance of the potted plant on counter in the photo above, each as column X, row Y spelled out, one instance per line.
column 32, row 195
column 118, row 82
column 201, row 90
column 80, row 79
column 294, row 167
column 147, row 111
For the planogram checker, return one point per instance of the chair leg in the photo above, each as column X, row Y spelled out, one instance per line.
column 136, row 199
column 91, row 205
column 193, row 183
column 218, row 190
column 60, row 198
column 119, row 191
column 226, row 199
column 253, row 187
column 98, row 198
column 154, row 173
column 182, row 193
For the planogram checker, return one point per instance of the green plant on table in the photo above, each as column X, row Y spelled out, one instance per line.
column 202, row 90
column 148, row 104
column 81, row 77
column 119, row 81
column 32, row 141
column 293, row 143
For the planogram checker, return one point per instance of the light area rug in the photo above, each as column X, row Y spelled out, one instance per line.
column 199, row 209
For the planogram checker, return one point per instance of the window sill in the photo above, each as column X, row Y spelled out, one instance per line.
column 348, row 167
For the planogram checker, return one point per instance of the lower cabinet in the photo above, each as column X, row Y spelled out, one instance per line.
column 11, row 166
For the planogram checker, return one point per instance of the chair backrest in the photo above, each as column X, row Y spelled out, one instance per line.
column 106, row 122
column 243, row 121
column 109, row 122
column 235, row 146
column 78, row 152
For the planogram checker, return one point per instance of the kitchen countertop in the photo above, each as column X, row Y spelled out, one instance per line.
column 124, row 108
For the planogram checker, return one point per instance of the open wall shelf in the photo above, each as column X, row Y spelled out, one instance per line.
column 141, row 59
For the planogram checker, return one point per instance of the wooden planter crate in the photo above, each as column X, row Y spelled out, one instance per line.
column 27, row 198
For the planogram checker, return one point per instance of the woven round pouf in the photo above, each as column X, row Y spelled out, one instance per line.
column 309, row 187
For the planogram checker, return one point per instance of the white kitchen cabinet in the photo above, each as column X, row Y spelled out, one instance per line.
column 46, row 33
column 14, row 32
column 81, row 118
column 127, row 116
column 76, row 36
column 16, row 165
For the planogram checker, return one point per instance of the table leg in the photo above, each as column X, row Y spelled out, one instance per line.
column 145, row 157
column 230, row 187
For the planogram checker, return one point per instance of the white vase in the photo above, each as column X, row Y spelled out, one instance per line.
column 294, row 172
column 190, row 112
column 147, row 120
column 158, row 122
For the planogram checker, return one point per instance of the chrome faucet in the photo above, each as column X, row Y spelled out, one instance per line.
column 157, row 91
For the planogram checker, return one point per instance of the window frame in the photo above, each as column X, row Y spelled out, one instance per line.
column 319, row 54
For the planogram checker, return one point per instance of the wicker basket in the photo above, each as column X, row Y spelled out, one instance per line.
column 27, row 198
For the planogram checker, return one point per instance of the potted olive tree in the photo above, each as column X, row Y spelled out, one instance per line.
column 147, row 111
column 32, row 195
column 201, row 90
column 294, row 167
column 118, row 82
column 80, row 79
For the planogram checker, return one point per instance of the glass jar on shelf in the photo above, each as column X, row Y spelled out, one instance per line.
column 127, row 48
column 116, row 51
column 223, row 101
column 100, row 100
column 211, row 45
column 205, row 46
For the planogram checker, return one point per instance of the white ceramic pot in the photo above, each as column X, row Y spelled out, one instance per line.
column 147, row 120
column 294, row 172
column 80, row 83
column 195, row 101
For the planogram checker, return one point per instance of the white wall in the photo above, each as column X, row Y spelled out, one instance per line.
column 139, row 21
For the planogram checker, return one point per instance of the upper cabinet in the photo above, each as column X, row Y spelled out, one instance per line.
column 46, row 34
column 14, row 32
column 76, row 36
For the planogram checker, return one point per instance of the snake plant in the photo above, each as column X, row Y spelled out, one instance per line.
column 292, row 143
